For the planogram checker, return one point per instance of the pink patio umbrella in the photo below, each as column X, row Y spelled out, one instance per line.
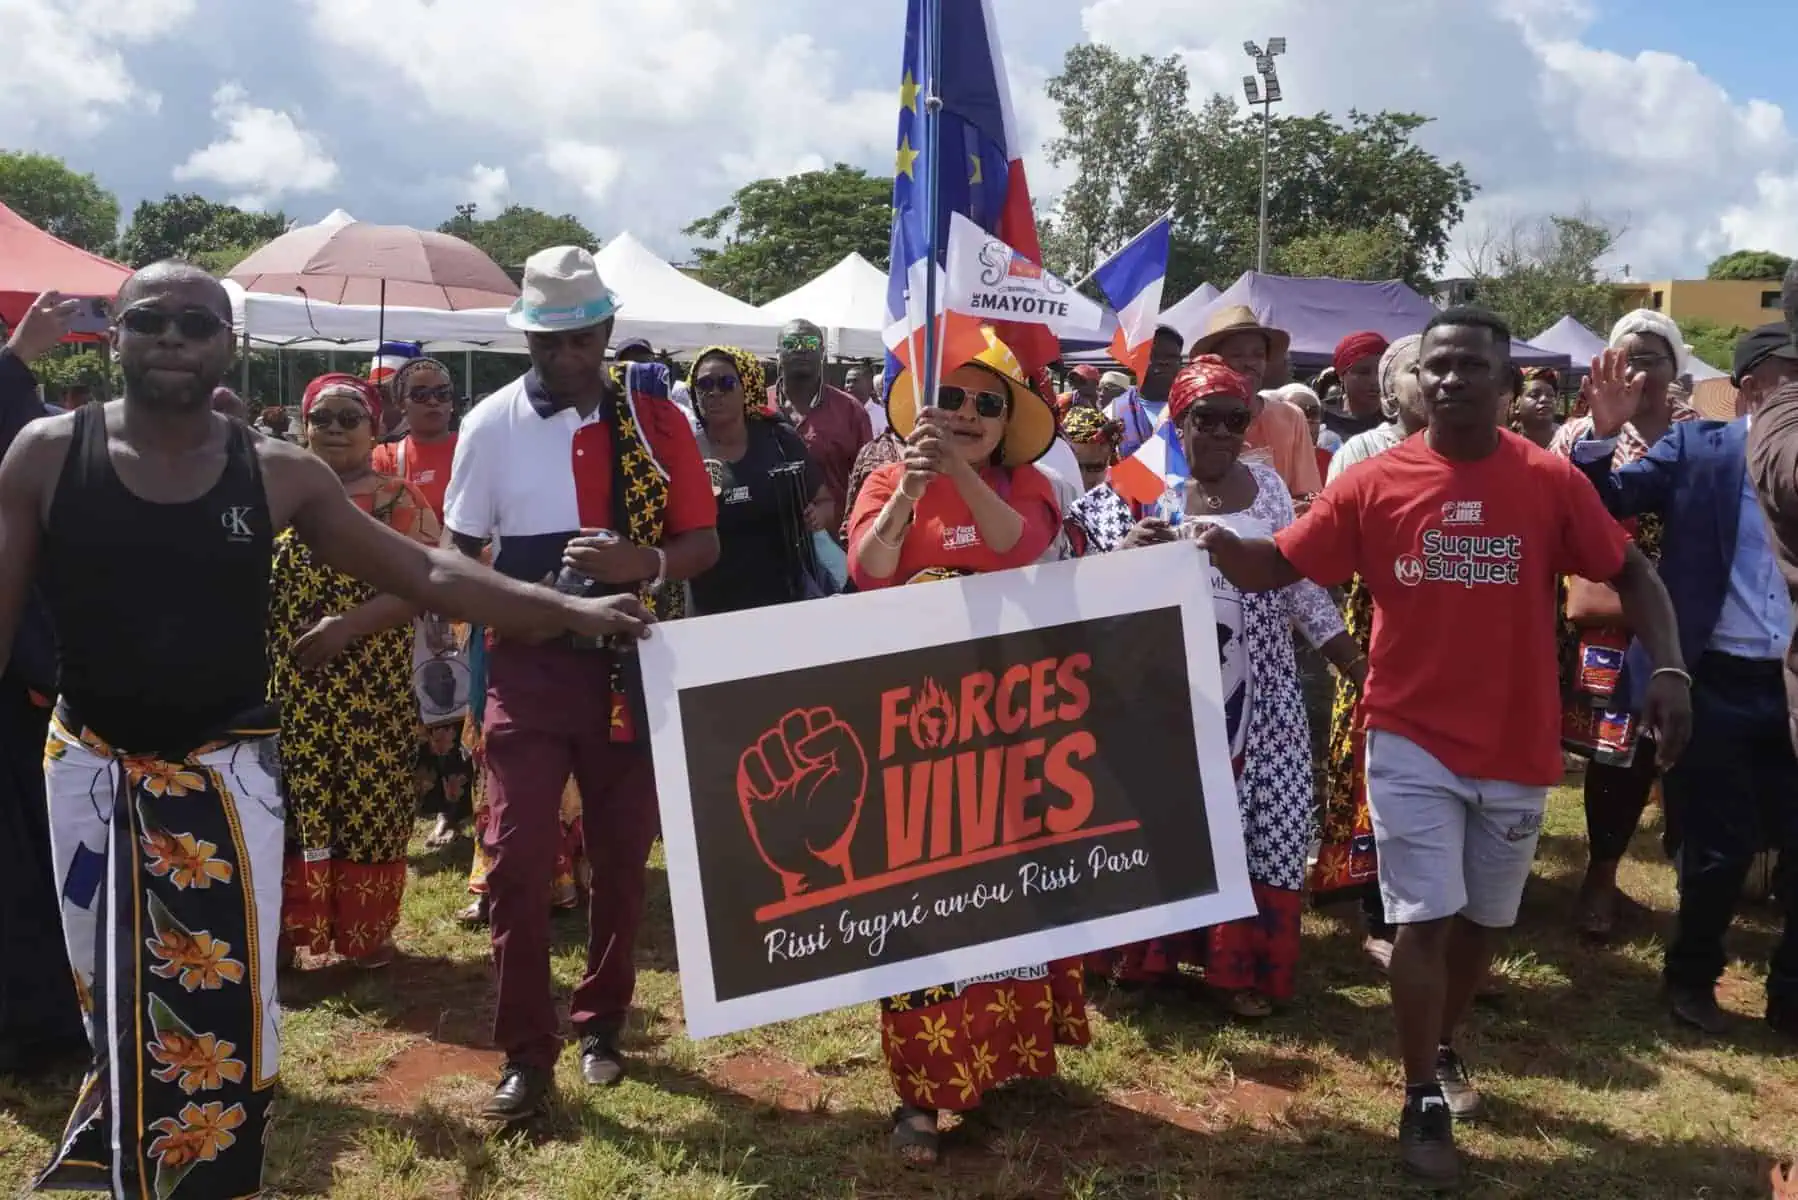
column 352, row 262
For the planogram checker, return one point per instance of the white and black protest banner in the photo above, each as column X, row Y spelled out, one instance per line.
column 987, row 279
column 878, row 793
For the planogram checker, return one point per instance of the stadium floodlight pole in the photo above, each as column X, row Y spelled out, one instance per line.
column 1265, row 93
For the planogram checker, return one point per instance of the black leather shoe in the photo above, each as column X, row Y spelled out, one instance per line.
column 522, row 1093
column 1697, row 1008
column 601, row 1064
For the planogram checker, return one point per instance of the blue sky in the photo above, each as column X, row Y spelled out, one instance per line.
column 1672, row 123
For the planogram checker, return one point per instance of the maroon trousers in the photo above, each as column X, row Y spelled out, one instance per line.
column 548, row 716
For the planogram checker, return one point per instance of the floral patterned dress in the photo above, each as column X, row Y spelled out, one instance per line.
column 347, row 735
column 1271, row 752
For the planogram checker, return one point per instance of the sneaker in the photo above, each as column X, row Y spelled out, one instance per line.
column 1464, row 1100
column 601, row 1064
column 1426, row 1139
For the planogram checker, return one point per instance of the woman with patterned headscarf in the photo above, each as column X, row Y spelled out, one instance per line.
column 1249, row 963
column 770, row 495
column 341, row 669
column 1346, row 869
column 1620, row 776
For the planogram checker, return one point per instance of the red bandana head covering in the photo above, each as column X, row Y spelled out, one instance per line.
column 362, row 389
column 1086, row 372
column 1357, row 346
column 1206, row 375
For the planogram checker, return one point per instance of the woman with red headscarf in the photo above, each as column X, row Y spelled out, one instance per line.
column 1249, row 963
column 1358, row 367
column 341, row 669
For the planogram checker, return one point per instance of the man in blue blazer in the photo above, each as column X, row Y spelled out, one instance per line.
column 1736, row 786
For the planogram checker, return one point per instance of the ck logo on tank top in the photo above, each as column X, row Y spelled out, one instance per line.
column 236, row 520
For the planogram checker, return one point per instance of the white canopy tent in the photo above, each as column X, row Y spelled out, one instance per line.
column 1188, row 316
column 674, row 311
column 848, row 302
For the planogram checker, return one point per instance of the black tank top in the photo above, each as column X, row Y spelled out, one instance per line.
column 161, row 610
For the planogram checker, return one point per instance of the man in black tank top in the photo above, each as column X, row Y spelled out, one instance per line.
column 149, row 524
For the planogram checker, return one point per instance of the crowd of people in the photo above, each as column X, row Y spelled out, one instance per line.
column 1429, row 586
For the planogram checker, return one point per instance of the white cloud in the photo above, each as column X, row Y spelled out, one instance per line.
column 590, row 167
column 264, row 154
column 62, row 64
column 1543, row 121
column 485, row 187
column 647, row 115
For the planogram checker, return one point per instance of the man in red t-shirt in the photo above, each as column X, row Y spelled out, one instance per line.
column 1460, row 536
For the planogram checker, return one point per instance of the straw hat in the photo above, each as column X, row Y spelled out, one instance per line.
column 1231, row 320
column 1030, row 427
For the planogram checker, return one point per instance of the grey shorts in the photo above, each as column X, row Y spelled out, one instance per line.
column 1448, row 845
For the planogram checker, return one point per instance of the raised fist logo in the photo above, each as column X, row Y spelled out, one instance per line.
column 801, row 786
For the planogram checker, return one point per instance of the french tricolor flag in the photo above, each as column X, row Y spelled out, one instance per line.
column 1158, row 466
column 1132, row 280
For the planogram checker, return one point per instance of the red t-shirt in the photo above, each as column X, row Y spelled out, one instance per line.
column 943, row 533
column 1461, row 560
column 427, row 466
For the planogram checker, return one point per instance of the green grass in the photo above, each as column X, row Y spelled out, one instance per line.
column 1594, row 1094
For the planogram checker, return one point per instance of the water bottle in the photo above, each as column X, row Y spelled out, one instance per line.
column 571, row 582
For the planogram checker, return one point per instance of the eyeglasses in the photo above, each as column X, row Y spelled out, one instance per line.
column 716, row 385
column 1646, row 362
column 343, row 418
column 1234, row 423
column 441, row 394
column 802, row 341
column 987, row 404
column 194, row 324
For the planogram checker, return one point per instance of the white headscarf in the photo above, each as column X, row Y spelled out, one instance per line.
column 1400, row 356
column 1646, row 320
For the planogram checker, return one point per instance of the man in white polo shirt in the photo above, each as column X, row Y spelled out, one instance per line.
column 567, row 467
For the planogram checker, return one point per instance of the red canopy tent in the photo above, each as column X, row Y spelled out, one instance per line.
column 32, row 261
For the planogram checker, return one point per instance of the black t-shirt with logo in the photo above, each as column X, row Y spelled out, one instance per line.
column 763, row 541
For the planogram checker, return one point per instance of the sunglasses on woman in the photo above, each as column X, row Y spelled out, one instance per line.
column 441, row 394
column 194, row 324
column 716, row 385
column 343, row 418
column 987, row 404
column 1234, row 423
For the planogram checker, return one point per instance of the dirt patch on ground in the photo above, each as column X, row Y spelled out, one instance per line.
column 772, row 1080
column 1153, row 1104
column 416, row 1070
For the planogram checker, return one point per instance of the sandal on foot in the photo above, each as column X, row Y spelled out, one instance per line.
column 1248, row 1004
column 914, row 1136
column 475, row 915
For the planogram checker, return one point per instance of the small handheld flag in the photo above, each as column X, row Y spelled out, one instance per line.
column 1132, row 280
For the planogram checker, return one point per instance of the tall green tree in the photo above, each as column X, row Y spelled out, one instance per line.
column 779, row 233
column 1536, row 272
column 1372, row 253
column 1750, row 264
column 1139, row 149
column 216, row 236
column 1715, row 344
column 517, row 232
column 66, row 203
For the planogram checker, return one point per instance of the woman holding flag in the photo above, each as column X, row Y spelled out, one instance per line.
column 964, row 499
column 1249, row 964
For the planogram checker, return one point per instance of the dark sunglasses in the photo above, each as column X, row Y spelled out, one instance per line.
column 1234, row 423
column 716, row 385
column 194, row 324
column 441, row 394
column 343, row 418
column 802, row 341
column 987, row 404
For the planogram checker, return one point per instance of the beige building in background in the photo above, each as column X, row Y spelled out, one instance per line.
column 1745, row 302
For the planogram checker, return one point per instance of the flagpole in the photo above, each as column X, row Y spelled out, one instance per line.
column 930, row 33
column 1088, row 277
